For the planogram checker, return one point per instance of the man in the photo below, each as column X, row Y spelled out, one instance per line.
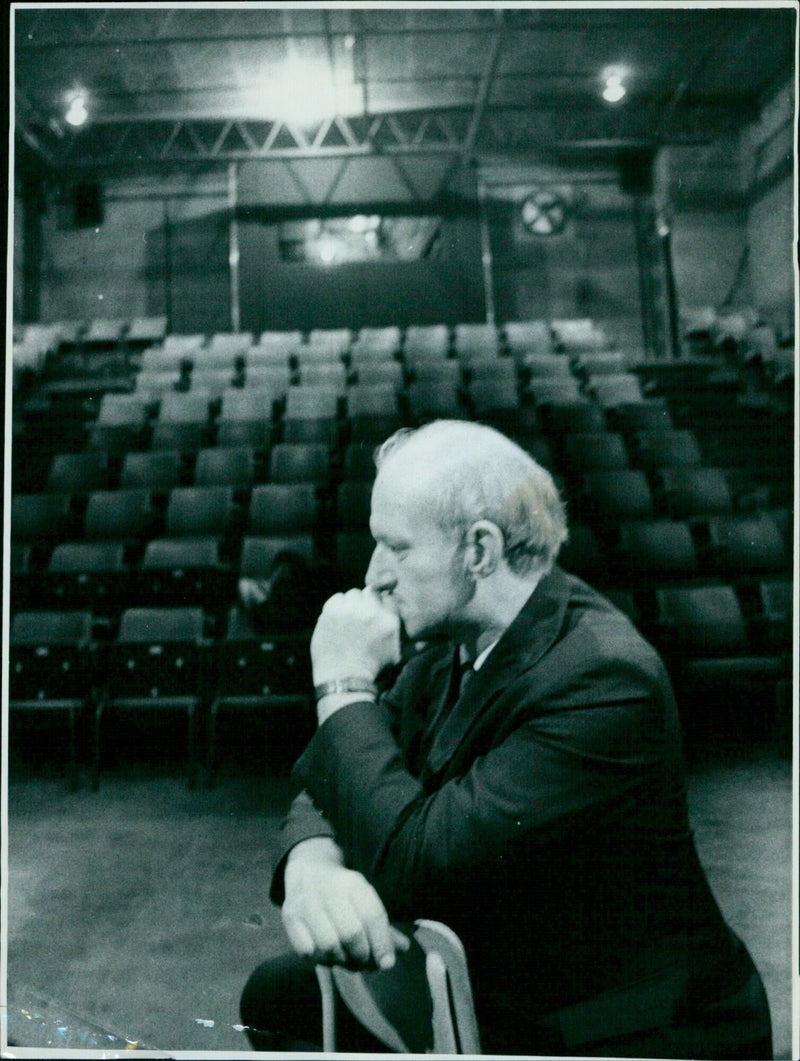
column 538, row 809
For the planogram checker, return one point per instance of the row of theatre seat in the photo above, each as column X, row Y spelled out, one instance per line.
column 678, row 486
column 718, row 640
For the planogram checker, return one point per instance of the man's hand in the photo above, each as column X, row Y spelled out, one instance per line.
column 332, row 914
column 356, row 636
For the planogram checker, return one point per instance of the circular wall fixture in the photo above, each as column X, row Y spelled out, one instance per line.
column 544, row 212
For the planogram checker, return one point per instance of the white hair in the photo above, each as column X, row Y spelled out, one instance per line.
column 477, row 473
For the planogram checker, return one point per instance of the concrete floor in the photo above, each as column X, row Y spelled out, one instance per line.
column 138, row 912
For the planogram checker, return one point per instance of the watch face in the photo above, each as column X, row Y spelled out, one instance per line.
column 544, row 213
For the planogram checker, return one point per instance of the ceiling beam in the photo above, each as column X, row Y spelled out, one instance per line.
column 458, row 133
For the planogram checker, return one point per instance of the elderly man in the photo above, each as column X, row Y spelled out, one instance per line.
column 537, row 808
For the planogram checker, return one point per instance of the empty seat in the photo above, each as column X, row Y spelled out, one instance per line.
column 574, row 418
column 524, row 337
column 614, row 390
column 372, row 412
column 245, row 418
column 230, row 342
column 152, row 386
column 575, row 335
column 547, row 366
column 104, row 332
column 257, row 671
column 741, row 545
column 183, row 571
column 376, row 373
column 430, row 399
column 267, row 357
column 491, row 398
column 601, row 363
column 616, row 495
column 358, row 463
column 120, row 423
column 701, row 621
column 594, row 452
column 50, row 667
column 75, row 473
column 353, row 504
column 185, row 343
column 554, row 391
column 426, row 341
column 433, row 372
column 155, row 663
column 90, row 575
column 184, row 408
column 326, row 375
column 663, row 547
column 157, row 360
column 475, row 341
column 275, row 379
column 311, row 414
column 775, row 617
column 299, row 462
column 147, row 330
column 225, row 466
column 665, row 449
column 40, row 518
column 694, row 491
column 118, row 515
column 211, row 382
column 282, row 508
column 199, row 511
column 376, row 344
column 651, row 414
column 155, row 470
column 334, row 339
column 259, row 553
column 183, row 421
column 285, row 341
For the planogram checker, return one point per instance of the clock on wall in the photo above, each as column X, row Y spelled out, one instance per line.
column 544, row 212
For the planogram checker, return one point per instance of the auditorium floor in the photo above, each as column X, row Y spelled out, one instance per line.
column 138, row 911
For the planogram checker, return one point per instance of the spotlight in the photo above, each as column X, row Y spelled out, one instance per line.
column 614, row 89
column 77, row 112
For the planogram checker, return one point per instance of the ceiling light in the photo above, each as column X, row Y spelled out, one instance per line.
column 302, row 92
column 77, row 112
column 614, row 90
column 613, row 78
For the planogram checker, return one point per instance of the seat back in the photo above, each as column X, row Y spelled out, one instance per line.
column 48, row 656
column 424, row 1004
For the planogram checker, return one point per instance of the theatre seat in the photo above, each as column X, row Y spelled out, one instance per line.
column 261, row 672
column 90, row 575
column 50, row 668
column 154, row 665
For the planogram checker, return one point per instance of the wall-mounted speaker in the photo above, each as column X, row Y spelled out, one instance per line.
column 87, row 205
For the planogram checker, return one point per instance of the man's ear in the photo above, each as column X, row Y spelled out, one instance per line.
column 484, row 548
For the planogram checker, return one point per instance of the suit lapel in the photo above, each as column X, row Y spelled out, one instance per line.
column 522, row 645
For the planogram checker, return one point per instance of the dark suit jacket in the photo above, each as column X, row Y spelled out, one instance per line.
column 542, row 817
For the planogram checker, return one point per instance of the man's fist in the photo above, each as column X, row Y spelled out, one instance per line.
column 356, row 636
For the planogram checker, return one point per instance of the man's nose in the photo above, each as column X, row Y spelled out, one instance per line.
column 380, row 575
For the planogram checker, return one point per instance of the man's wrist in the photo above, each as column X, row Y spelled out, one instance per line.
column 332, row 702
column 348, row 684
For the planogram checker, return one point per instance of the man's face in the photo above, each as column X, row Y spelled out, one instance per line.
column 416, row 566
